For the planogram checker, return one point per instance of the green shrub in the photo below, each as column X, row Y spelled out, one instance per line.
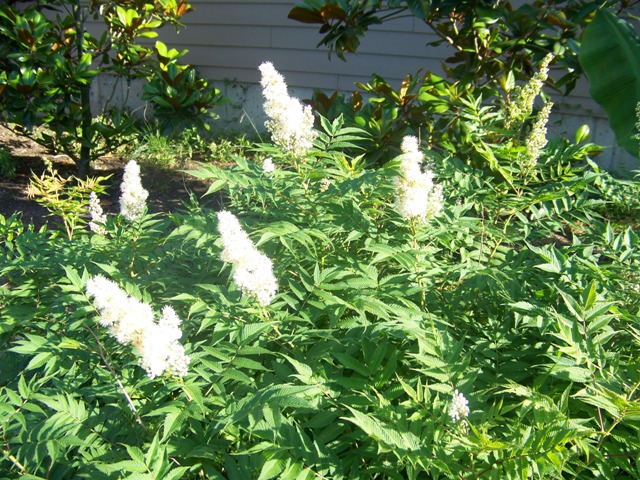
column 159, row 150
column 496, row 46
column 49, row 64
column 493, row 42
column 173, row 150
column 519, row 297
column 475, row 315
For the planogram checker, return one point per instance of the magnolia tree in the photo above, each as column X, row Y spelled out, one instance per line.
column 49, row 60
column 493, row 45
column 491, row 42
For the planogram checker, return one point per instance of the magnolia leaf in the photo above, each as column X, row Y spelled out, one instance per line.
column 420, row 8
column 610, row 56
column 305, row 15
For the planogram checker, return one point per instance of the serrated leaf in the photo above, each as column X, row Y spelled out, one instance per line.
column 271, row 468
column 383, row 433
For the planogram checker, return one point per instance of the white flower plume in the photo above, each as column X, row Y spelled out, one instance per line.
column 253, row 271
column 417, row 196
column 133, row 196
column 98, row 218
column 268, row 166
column 132, row 323
column 290, row 124
column 459, row 408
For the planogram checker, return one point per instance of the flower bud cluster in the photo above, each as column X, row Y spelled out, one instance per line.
column 325, row 183
column 268, row 166
column 459, row 408
column 133, row 196
column 417, row 196
column 98, row 218
column 290, row 124
column 253, row 271
column 536, row 140
column 132, row 323
column 521, row 105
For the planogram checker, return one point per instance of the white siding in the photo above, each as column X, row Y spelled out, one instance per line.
column 229, row 40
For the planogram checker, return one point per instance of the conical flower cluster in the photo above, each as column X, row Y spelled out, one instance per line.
column 459, row 408
column 132, row 323
column 98, row 218
column 253, row 271
column 290, row 124
column 536, row 140
column 268, row 166
column 133, row 196
column 417, row 196
column 521, row 105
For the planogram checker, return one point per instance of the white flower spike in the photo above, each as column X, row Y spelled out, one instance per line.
column 459, row 409
column 417, row 196
column 290, row 124
column 132, row 323
column 253, row 270
column 98, row 218
column 268, row 166
column 133, row 197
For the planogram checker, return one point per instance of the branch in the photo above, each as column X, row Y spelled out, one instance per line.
column 101, row 352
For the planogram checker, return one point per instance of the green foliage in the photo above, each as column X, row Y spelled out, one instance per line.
column 496, row 44
column 469, row 122
column 66, row 198
column 178, row 96
column 159, row 150
column 49, row 64
column 520, row 295
column 610, row 55
column 388, row 114
column 492, row 40
column 7, row 164
column 173, row 150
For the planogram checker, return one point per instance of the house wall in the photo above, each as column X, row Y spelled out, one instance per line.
column 228, row 39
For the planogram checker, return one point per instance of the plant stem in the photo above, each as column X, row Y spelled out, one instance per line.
column 101, row 352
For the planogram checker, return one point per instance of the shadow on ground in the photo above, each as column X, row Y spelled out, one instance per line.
column 168, row 190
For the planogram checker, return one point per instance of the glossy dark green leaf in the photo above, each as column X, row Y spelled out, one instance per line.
column 610, row 55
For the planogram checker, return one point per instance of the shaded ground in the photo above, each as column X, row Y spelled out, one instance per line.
column 168, row 189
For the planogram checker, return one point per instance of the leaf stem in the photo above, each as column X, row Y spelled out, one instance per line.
column 102, row 351
column 15, row 461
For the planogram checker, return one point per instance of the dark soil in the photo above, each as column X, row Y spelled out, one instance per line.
column 168, row 189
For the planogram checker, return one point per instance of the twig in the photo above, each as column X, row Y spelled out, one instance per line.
column 15, row 461
column 101, row 351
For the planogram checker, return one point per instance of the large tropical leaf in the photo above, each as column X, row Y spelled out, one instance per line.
column 610, row 56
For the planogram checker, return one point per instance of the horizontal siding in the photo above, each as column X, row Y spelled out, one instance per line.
column 229, row 40
column 291, row 62
column 216, row 12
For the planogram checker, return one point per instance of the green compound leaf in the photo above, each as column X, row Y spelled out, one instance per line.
column 610, row 56
column 382, row 433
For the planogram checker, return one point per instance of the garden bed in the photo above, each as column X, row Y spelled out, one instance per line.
column 168, row 188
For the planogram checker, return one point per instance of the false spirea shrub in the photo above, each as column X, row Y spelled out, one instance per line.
column 317, row 331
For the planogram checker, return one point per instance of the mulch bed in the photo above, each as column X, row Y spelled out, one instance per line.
column 168, row 189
